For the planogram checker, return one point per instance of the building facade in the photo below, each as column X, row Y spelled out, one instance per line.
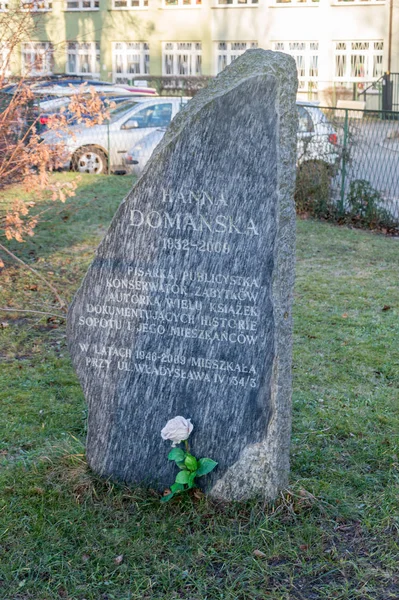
column 333, row 41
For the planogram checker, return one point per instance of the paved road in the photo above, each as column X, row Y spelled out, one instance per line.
column 374, row 156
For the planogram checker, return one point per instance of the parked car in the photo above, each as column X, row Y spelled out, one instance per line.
column 138, row 156
column 69, row 85
column 316, row 142
column 54, row 110
column 94, row 149
column 317, row 138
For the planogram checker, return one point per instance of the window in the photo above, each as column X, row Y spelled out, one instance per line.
column 306, row 55
column 181, row 58
column 82, row 4
column 129, row 59
column 37, row 58
column 359, row 1
column 83, row 58
column 158, row 115
column 295, row 2
column 358, row 61
column 129, row 4
column 236, row 2
column 36, row 5
column 226, row 52
column 3, row 5
column 183, row 3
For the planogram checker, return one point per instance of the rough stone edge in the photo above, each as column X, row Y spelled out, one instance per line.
column 262, row 469
column 265, row 465
column 250, row 64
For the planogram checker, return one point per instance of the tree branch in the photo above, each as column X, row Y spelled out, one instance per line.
column 28, row 310
column 61, row 301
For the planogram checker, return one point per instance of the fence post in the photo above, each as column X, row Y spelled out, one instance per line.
column 387, row 92
column 108, row 151
column 341, row 207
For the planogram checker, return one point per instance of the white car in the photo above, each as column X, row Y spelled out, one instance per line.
column 138, row 156
column 316, row 141
column 102, row 148
column 316, row 138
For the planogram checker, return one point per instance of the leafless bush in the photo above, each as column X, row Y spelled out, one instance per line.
column 25, row 158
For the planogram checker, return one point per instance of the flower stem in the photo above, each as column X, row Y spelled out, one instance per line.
column 187, row 446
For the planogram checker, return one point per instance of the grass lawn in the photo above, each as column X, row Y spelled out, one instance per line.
column 334, row 534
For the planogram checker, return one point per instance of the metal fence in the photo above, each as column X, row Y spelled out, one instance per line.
column 348, row 165
column 347, row 160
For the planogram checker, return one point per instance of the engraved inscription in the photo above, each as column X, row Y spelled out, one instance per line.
column 177, row 313
column 189, row 305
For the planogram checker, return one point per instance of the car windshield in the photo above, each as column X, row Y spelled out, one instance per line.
column 123, row 107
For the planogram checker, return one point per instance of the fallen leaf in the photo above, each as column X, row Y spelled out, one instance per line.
column 85, row 557
column 386, row 307
column 303, row 547
column 198, row 494
column 259, row 554
column 118, row 560
column 345, row 316
column 4, row 324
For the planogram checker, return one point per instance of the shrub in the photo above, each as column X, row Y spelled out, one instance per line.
column 364, row 205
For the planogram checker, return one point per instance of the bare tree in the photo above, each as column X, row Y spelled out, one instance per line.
column 25, row 158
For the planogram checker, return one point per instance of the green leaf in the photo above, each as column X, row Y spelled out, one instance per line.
column 191, row 479
column 206, row 465
column 182, row 477
column 167, row 498
column 177, row 487
column 191, row 462
column 177, row 454
column 181, row 465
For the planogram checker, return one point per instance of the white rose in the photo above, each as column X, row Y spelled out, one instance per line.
column 177, row 430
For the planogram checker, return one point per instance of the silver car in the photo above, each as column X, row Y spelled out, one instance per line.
column 102, row 148
column 316, row 141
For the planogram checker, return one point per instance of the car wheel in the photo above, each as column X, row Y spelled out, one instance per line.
column 90, row 159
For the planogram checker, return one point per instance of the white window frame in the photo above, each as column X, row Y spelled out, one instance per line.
column 37, row 5
column 373, row 56
column 80, row 51
column 287, row 3
column 236, row 3
column 230, row 52
column 4, row 5
column 45, row 49
column 181, row 3
column 120, row 60
column 82, row 5
column 129, row 4
column 174, row 52
column 357, row 2
column 306, row 58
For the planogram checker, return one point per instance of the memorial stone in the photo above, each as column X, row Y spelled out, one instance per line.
column 186, row 308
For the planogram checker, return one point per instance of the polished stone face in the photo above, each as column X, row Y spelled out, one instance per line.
column 186, row 309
